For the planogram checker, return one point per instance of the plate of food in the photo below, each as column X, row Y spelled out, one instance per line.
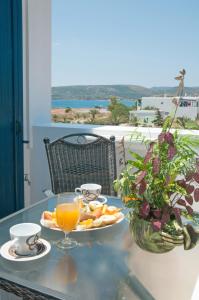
column 93, row 216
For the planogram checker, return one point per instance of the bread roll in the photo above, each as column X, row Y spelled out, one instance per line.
column 119, row 216
column 86, row 216
column 95, row 204
column 107, row 220
column 112, row 210
column 97, row 223
column 50, row 224
column 47, row 215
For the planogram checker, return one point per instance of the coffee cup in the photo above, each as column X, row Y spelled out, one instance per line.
column 90, row 191
column 25, row 237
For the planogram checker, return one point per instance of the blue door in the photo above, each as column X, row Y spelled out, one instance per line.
column 11, row 107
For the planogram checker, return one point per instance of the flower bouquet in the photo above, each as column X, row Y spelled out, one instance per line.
column 160, row 189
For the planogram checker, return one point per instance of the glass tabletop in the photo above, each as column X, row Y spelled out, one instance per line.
column 107, row 265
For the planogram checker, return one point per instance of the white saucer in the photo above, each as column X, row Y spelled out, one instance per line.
column 101, row 199
column 4, row 251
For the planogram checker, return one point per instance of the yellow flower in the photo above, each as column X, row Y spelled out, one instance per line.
column 128, row 198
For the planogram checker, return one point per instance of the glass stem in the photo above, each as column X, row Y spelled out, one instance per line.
column 65, row 235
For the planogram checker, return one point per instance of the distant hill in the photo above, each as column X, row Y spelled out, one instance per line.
column 170, row 91
column 106, row 91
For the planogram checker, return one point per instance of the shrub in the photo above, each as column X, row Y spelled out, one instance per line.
column 67, row 109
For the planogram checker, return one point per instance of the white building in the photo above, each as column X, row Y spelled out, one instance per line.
column 145, row 117
column 189, row 106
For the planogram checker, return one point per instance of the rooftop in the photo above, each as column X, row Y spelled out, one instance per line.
column 192, row 98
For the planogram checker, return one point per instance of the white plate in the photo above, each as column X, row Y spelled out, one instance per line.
column 4, row 251
column 42, row 222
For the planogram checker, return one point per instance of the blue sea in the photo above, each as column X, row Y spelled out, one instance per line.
column 87, row 103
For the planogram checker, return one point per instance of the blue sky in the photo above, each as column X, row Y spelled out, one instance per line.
column 142, row 42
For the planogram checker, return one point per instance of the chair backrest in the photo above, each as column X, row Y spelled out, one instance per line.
column 76, row 159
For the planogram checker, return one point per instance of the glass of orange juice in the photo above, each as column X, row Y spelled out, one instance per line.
column 67, row 217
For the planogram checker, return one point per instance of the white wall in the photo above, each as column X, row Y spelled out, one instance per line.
column 167, row 105
column 37, row 74
column 38, row 60
column 189, row 112
column 161, row 103
column 146, row 116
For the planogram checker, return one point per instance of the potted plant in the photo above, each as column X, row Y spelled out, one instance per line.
column 160, row 189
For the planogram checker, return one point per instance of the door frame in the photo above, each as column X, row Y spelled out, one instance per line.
column 17, row 33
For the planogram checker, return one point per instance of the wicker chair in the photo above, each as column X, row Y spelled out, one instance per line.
column 76, row 159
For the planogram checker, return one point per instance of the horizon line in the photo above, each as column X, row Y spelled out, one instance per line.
column 160, row 86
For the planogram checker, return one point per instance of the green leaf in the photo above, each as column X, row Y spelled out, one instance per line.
column 166, row 198
column 137, row 164
column 166, row 124
column 116, row 185
column 158, row 181
column 136, row 155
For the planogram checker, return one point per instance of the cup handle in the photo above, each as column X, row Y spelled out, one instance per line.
column 78, row 190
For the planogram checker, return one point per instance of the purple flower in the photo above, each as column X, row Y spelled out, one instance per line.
column 148, row 157
column 181, row 183
column 177, row 213
column 161, row 137
column 169, row 138
column 156, row 225
column 144, row 210
column 171, row 152
column 157, row 213
column 165, row 217
column 189, row 188
column 141, row 176
column 142, row 188
column 149, row 152
column 189, row 199
column 156, row 165
column 181, row 202
column 189, row 176
column 189, row 210
column 196, row 177
column 196, row 194
column 151, row 145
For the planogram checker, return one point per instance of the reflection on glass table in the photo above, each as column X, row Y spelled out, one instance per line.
column 106, row 265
